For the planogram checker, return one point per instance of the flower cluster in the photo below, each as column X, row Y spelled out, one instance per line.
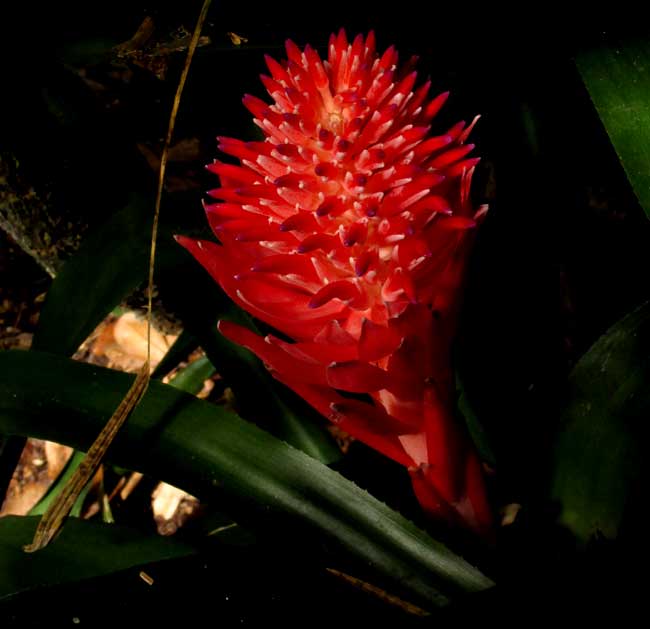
column 347, row 230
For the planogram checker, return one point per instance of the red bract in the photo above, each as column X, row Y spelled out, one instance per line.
column 347, row 230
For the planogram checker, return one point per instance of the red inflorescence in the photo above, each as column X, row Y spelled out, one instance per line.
column 347, row 229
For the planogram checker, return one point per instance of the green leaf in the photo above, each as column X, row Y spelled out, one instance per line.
column 182, row 347
column 213, row 454
column 598, row 454
column 11, row 449
column 82, row 550
column 285, row 417
column 42, row 505
column 618, row 81
column 110, row 263
column 191, row 378
column 113, row 260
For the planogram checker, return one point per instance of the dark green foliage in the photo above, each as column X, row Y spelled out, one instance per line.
column 209, row 451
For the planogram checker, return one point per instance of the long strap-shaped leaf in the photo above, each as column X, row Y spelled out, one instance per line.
column 97, row 549
column 618, row 80
column 204, row 449
column 600, row 450
column 59, row 509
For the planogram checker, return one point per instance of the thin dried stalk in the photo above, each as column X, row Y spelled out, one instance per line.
column 377, row 592
column 54, row 517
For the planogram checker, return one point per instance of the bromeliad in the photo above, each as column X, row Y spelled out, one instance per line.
column 347, row 230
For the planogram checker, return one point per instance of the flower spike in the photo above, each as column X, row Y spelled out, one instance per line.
column 347, row 230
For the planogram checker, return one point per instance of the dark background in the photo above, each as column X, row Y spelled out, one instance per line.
column 560, row 202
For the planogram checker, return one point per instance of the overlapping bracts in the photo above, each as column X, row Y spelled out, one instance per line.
column 347, row 229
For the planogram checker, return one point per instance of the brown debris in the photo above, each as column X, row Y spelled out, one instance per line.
column 145, row 52
column 172, row 507
column 21, row 294
column 148, row 579
column 40, row 464
column 121, row 343
column 237, row 40
column 343, row 439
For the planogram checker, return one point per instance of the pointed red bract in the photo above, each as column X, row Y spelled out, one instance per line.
column 347, row 230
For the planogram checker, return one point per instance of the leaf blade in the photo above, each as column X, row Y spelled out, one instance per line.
column 598, row 453
column 191, row 378
column 112, row 261
column 83, row 550
column 618, row 81
column 209, row 451
column 109, row 264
